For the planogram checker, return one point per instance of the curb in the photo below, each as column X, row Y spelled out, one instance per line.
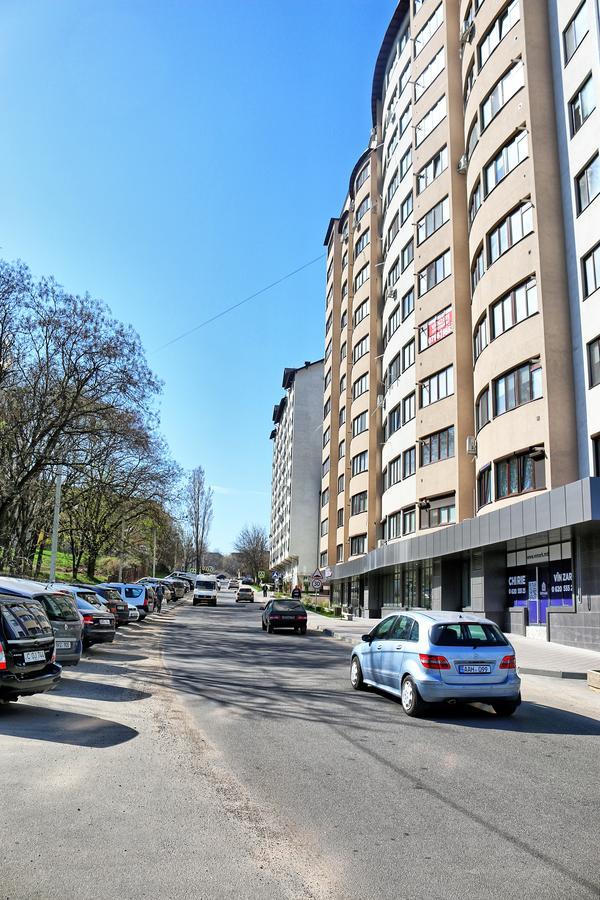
column 524, row 670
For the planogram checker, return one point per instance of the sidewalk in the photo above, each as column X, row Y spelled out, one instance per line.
column 534, row 657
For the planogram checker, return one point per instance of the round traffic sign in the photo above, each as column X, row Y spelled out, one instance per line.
column 317, row 584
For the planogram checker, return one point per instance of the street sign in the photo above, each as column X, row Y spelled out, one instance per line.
column 328, row 573
column 317, row 574
column 261, row 574
column 317, row 584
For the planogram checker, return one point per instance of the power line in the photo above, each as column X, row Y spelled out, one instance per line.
column 240, row 303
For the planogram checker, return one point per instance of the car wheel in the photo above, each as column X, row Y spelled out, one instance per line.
column 356, row 675
column 303, row 629
column 264, row 627
column 505, row 708
column 412, row 703
column 270, row 628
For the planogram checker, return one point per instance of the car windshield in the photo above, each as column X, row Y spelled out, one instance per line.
column 286, row 605
column 110, row 594
column 24, row 619
column 467, row 634
column 91, row 597
column 84, row 606
column 133, row 592
column 205, row 585
column 59, row 606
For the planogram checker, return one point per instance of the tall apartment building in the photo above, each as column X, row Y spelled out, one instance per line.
column 471, row 233
column 295, row 483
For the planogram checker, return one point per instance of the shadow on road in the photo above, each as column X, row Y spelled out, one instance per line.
column 97, row 690
column 38, row 723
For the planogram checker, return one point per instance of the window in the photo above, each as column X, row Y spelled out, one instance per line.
column 430, row 171
column 480, row 338
column 429, row 74
column 361, row 348
column 358, row 503
column 344, row 319
column 362, row 175
column 408, row 355
column 329, row 322
column 393, row 372
column 359, row 424
column 343, row 351
column 323, row 559
column 591, row 271
column 344, row 260
column 587, row 184
column 404, row 78
column 341, row 449
column 360, row 462
column 325, row 468
column 517, row 305
column 594, row 360
column 392, row 423
column 482, row 409
column 329, row 296
column 362, row 209
column 326, row 436
column 361, row 312
column 596, row 454
column 342, row 384
column 498, row 30
column 518, row 474
column 409, row 521
column 344, row 290
column 328, row 350
column 325, row 497
column 405, row 163
column 394, row 321
column 575, row 32
column 475, row 202
column 429, row 28
column 393, row 230
column 512, row 229
column 437, row 386
column 394, row 273
column 362, row 242
column 408, row 304
column 392, row 186
column 477, row 270
column 324, row 527
column 435, row 329
column 507, row 159
column 438, row 446
column 406, row 207
column 362, row 276
column 360, row 386
column 409, row 462
column 440, row 511
column 408, row 408
column 342, row 416
column 408, row 253
column 392, row 474
column 327, row 379
column 484, row 487
column 339, row 553
column 473, row 138
column 340, row 486
column 435, row 272
column 582, row 105
column 432, row 220
column 391, row 147
column 392, row 526
column 327, row 408
column 501, row 93
column 357, row 544
column 430, row 120
column 517, row 387
column 340, row 517
column 404, row 120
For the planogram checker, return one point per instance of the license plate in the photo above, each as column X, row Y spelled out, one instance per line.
column 104, row 621
column 132, row 613
column 34, row 656
column 63, row 645
column 474, row 670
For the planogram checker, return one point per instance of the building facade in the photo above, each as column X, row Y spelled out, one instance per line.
column 296, row 467
column 483, row 353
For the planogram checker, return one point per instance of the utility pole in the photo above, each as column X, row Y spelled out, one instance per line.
column 55, row 523
column 154, row 553
column 122, row 549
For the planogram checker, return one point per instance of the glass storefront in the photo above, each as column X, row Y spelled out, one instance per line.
column 540, row 577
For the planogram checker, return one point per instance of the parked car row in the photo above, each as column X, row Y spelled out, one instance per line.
column 44, row 627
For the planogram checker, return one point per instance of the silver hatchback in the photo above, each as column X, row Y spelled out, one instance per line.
column 429, row 657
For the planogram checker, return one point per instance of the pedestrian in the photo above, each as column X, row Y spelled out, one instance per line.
column 296, row 593
column 264, row 590
column 160, row 592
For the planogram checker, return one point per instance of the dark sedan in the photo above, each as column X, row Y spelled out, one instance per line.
column 110, row 598
column 279, row 614
column 98, row 624
column 27, row 657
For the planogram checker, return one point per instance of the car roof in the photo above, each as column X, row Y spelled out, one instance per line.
column 436, row 616
column 24, row 586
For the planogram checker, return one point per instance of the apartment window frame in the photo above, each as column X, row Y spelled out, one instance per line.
column 429, row 74
column 393, row 472
column 358, row 503
column 342, row 416
column 340, row 483
column 360, row 463
column 326, row 436
column 477, row 269
column 507, row 86
column 499, row 28
column 364, row 309
column 434, row 219
column 405, row 162
column 360, row 423
column 409, row 462
column 407, row 254
column 484, row 486
column 506, row 160
column 360, row 386
column 393, row 421
column 434, row 273
column 515, row 387
column 324, row 497
column 590, row 177
column 406, row 207
column 409, row 408
column 324, row 527
column 579, row 113
column 343, row 383
column 568, row 54
column 358, row 544
column 424, row 35
column 430, row 121
column 362, row 276
column 360, row 349
column 437, row 447
column 432, row 169
column 508, row 310
column 339, row 553
column 363, row 208
column 363, row 241
column 409, row 520
column 362, row 175
column 593, row 356
column 437, row 386
column 483, row 409
column 438, row 511
column 509, row 231
column 480, row 337
column 340, row 517
column 590, row 266
column 518, row 474
column 408, row 355
column 408, row 303
column 444, row 327
column 342, row 449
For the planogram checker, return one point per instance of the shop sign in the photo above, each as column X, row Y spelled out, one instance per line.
column 561, row 580
column 538, row 555
column 517, row 584
column 439, row 328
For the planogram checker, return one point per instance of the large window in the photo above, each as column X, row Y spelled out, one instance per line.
column 362, row 175
column 437, row 386
column 394, row 273
column 435, row 272
column 360, row 386
column 360, row 424
column 405, row 163
column 361, row 277
column 340, row 517
column 341, row 449
column 392, row 473
column 430, row 171
column 408, row 304
column 360, row 462
column 499, row 29
column 512, row 229
column 358, row 503
column 480, row 338
column 407, row 255
column 340, row 484
column 394, row 321
column 429, row 73
column 362, row 209
column 594, row 361
column 408, row 355
column 409, row 521
column 432, row 220
column 477, row 270
column 484, row 487
column 408, row 408
column 582, row 105
column 361, row 312
column 406, row 207
column 392, row 231
column 518, row 304
column 393, row 526
column 392, row 186
column 518, row 474
column 501, row 93
column 440, row 511
column 435, row 329
column 517, row 387
column 324, row 527
column 362, row 242
column 429, row 28
column 587, row 184
column 361, row 348
column 358, row 544
column 325, row 467
column 409, row 462
column 482, row 409
column 430, row 120
column 575, row 31
column 393, row 422
column 393, row 372
column 438, row 446
column 326, row 436
column 508, row 158
column 591, row 271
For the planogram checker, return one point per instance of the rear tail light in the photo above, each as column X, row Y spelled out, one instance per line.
column 433, row 662
column 301, row 616
column 53, row 656
column 509, row 662
column 88, row 620
column 2, row 658
column 274, row 617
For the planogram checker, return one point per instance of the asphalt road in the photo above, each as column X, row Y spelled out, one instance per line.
column 200, row 757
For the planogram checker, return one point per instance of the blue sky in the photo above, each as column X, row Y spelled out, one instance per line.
column 173, row 157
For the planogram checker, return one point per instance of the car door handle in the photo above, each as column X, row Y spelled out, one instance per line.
column 398, row 647
column 378, row 647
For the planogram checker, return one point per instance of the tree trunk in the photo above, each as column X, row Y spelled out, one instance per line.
column 91, row 564
column 40, row 556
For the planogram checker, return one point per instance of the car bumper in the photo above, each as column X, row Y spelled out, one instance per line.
column 69, row 657
column 13, row 686
column 436, row 691
column 100, row 637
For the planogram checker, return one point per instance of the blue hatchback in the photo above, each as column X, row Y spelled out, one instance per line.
column 429, row 657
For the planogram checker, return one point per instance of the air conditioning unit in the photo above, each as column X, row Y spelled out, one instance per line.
column 462, row 164
column 471, row 445
column 392, row 293
column 466, row 32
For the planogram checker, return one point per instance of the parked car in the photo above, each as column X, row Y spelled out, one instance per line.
column 27, row 656
column 179, row 587
column 141, row 595
column 234, row 584
column 98, row 623
column 187, row 577
column 134, row 615
column 247, row 581
column 113, row 601
column 61, row 611
column 168, row 592
column 244, row 593
column 425, row 657
column 279, row 614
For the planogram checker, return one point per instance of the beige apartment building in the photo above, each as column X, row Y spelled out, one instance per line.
column 461, row 414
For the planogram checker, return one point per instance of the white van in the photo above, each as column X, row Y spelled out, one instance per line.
column 205, row 590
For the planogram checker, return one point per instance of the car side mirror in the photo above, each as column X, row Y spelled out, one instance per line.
column 366, row 638
column 262, row 607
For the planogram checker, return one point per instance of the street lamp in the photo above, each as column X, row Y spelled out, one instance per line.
column 57, row 493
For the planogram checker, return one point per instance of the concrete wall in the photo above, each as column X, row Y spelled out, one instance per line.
column 306, row 466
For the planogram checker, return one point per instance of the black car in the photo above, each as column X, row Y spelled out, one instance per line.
column 110, row 598
column 27, row 659
column 98, row 624
column 284, row 614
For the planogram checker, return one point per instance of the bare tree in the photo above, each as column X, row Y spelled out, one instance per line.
column 252, row 547
column 199, row 509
